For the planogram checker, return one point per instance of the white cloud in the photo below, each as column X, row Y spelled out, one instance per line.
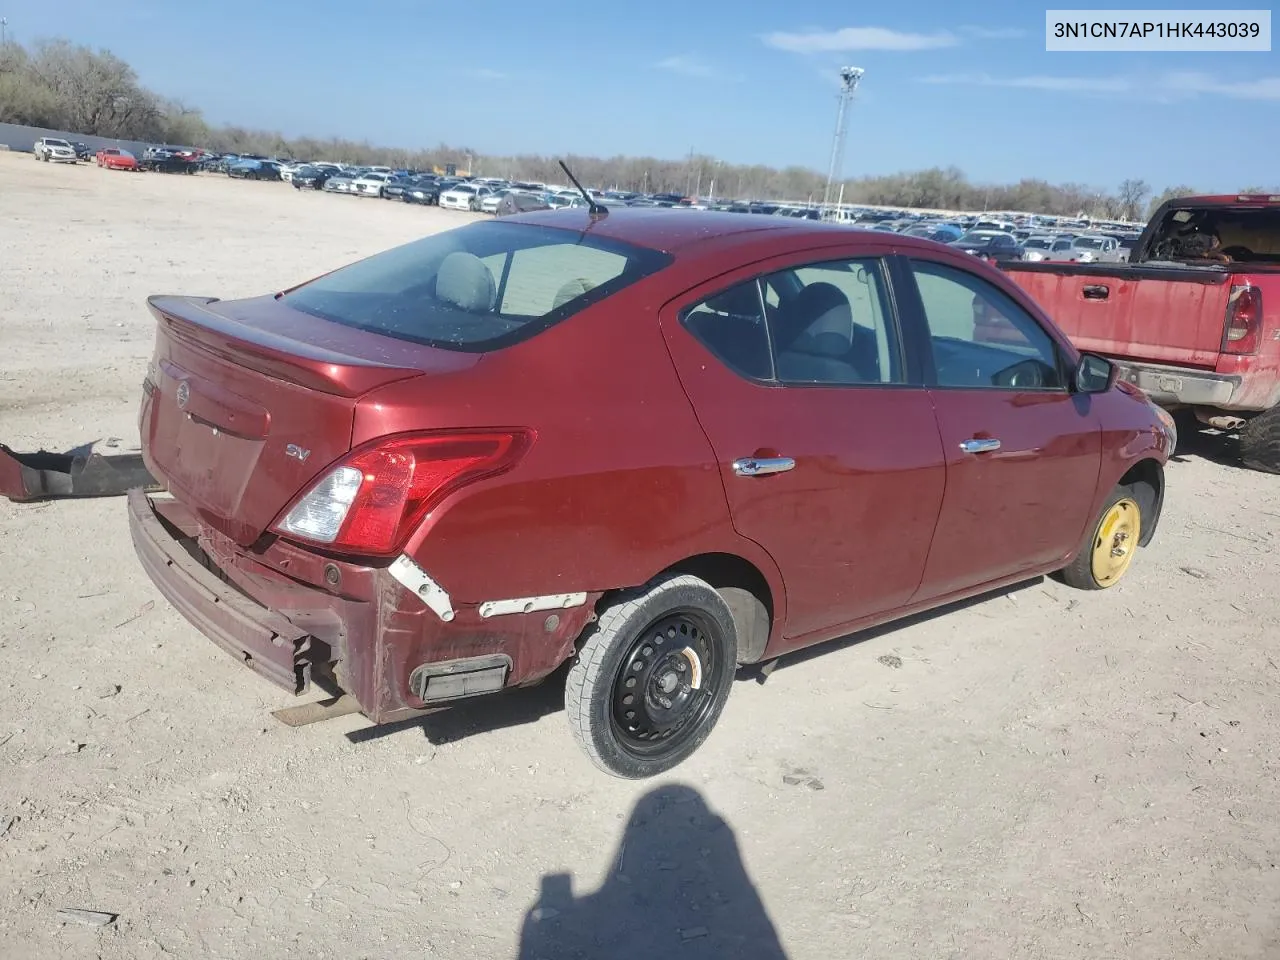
column 690, row 66
column 1056, row 84
column 1193, row 84
column 993, row 33
column 484, row 73
column 686, row 65
column 858, row 38
column 1161, row 88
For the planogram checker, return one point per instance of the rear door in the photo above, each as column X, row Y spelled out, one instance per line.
column 825, row 437
column 1022, row 452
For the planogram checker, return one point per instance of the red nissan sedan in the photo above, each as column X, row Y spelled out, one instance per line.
column 655, row 444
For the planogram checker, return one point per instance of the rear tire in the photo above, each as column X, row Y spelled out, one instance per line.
column 1260, row 442
column 1107, row 550
column 652, row 677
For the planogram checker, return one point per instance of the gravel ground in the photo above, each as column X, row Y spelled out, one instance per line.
column 1042, row 774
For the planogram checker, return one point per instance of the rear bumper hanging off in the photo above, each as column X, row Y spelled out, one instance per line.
column 44, row 475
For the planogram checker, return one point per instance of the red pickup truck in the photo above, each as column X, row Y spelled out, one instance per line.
column 1193, row 319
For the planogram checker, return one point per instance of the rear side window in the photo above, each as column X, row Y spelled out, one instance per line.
column 827, row 323
column 477, row 288
column 732, row 325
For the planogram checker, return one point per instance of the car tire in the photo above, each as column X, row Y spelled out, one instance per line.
column 1260, row 442
column 668, row 650
column 1117, row 527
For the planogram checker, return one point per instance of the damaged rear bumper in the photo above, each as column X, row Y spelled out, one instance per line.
column 290, row 614
column 258, row 638
column 44, row 475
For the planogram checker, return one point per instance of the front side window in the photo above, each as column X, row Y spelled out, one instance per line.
column 980, row 337
column 479, row 287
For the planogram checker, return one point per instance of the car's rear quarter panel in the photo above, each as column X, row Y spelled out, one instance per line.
column 619, row 484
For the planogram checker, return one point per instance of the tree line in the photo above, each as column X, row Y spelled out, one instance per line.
column 63, row 86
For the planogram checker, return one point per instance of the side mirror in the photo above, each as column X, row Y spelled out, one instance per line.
column 1095, row 374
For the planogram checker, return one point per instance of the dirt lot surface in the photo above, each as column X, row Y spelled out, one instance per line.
column 1043, row 774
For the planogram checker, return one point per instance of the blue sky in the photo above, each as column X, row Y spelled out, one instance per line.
column 946, row 83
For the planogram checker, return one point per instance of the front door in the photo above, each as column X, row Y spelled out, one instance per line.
column 1022, row 451
column 829, row 452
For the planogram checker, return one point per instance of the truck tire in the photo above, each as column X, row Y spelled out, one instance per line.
column 1260, row 442
column 652, row 677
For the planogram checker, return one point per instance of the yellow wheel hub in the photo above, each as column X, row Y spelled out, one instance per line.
column 1116, row 541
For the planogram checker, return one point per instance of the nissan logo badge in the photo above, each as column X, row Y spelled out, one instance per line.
column 184, row 393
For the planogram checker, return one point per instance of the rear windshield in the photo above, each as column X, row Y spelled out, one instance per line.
column 479, row 287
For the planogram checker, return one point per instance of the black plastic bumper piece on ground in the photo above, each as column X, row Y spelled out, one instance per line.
column 44, row 475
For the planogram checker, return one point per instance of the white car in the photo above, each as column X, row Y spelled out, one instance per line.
column 369, row 185
column 55, row 150
column 464, row 196
column 490, row 203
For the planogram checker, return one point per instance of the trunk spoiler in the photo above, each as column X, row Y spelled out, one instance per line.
column 82, row 472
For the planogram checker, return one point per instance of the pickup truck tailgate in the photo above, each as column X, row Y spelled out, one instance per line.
column 1166, row 315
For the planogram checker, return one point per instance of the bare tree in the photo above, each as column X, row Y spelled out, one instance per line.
column 1170, row 194
column 1132, row 198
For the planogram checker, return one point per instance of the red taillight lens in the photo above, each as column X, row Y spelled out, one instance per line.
column 1243, row 330
column 370, row 503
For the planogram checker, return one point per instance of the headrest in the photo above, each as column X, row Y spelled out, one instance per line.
column 465, row 282
column 818, row 308
column 571, row 291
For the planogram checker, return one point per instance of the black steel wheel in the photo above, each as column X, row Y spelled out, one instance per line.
column 652, row 677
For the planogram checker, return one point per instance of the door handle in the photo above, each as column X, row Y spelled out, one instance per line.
column 980, row 445
column 1096, row 291
column 759, row 466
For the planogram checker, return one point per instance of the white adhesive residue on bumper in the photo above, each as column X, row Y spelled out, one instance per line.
column 419, row 582
column 551, row 601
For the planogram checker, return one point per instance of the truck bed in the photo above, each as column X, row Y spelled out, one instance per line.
column 1168, row 313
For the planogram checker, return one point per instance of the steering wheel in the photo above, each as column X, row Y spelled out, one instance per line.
column 1024, row 375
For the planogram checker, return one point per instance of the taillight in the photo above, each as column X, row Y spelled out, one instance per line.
column 370, row 503
column 1244, row 320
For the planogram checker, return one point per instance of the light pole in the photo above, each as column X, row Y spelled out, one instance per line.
column 4, row 32
column 849, row 77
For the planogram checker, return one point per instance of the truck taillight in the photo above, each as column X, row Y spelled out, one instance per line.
column 1244, row 320
column 371, row 502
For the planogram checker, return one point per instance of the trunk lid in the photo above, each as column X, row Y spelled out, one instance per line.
column 1167, row 315
column 249, row 401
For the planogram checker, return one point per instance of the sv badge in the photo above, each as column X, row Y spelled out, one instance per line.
column 298, row 453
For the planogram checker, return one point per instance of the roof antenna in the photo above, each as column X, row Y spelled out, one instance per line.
column 597, row 210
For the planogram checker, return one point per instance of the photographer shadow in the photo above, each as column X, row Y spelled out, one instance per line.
column 677, row 883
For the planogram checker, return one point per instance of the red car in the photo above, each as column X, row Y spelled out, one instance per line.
column 114, row 158
column 656, row 443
